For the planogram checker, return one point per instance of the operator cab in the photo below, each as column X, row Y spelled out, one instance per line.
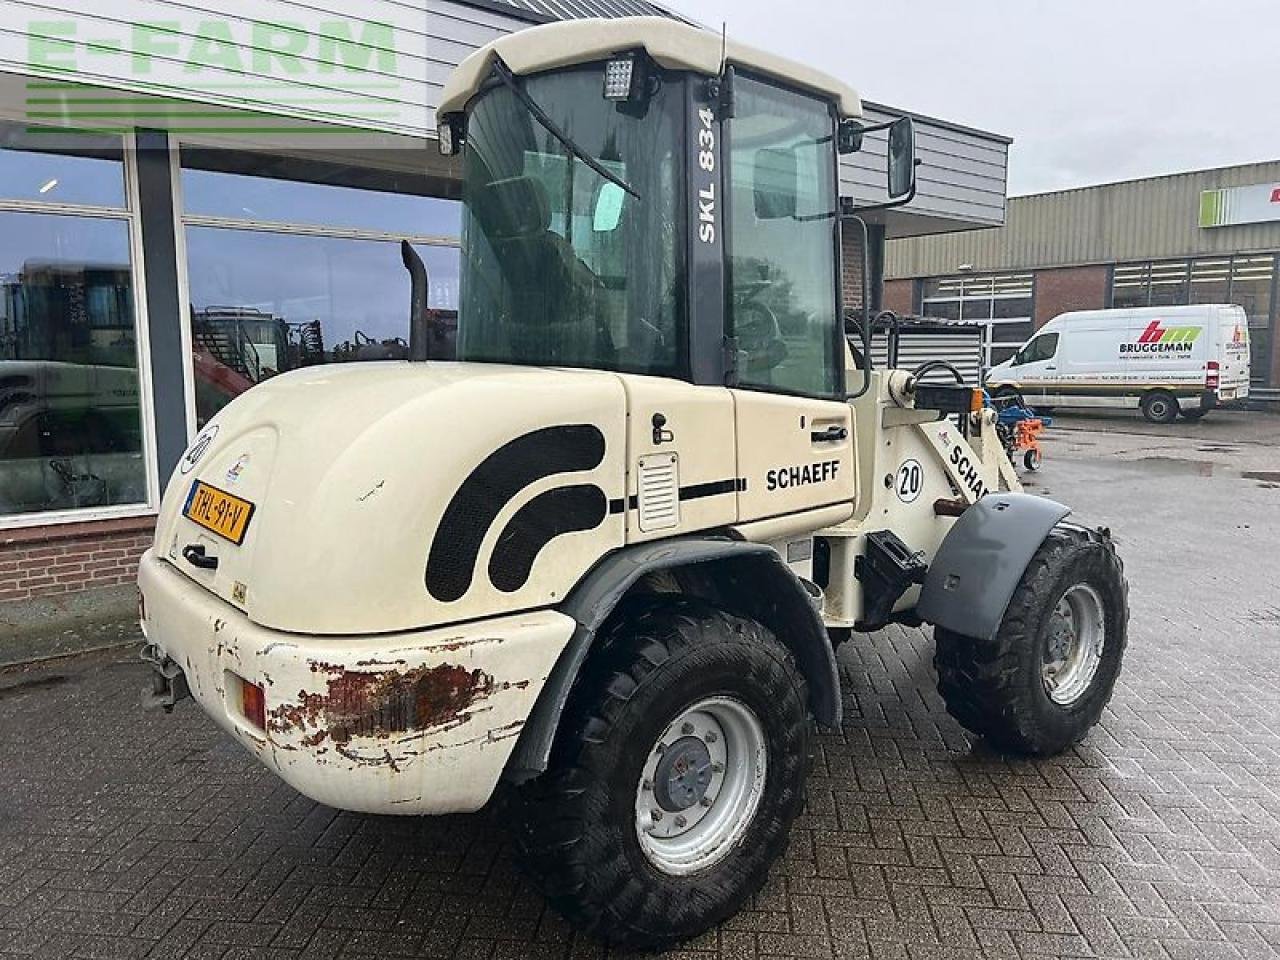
column 643, row 197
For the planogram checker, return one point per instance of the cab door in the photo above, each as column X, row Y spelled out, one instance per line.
column 1038, row 372
column 794, row 427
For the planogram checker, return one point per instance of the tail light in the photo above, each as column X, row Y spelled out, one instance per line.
column 254, row 704
column 1212, row 375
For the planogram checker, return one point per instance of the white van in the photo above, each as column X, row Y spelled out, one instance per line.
column 1166, row 360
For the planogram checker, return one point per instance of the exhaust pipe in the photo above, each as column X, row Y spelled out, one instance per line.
column 419, row 320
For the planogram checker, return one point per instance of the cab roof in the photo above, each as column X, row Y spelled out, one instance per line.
column 673, row 45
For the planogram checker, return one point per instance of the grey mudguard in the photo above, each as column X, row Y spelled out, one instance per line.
column 764, row 576
column 972, row 578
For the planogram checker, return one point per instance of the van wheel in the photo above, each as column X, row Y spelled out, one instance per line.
column 675, row 777
column 1159, row 407
column 1194, row 413
column 1041, row 683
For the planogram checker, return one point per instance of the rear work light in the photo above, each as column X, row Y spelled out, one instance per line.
column 1212, row 375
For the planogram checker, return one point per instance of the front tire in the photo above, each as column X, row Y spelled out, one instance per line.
column 1041, row 683
column 676, row 775
column 1159, row 406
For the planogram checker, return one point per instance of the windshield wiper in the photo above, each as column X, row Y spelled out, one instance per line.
column 509, row 79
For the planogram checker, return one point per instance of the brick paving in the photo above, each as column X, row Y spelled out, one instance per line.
column 131, row 835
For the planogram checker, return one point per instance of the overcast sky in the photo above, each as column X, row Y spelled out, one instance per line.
column 1090, row 91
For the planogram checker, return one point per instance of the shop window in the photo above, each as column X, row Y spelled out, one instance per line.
column 1129, row 286
column 1244, row 280
column 1210, row 281
column 259, row 198
column 1168, row 284
column 283, row 274
column 263, row 303
column 43, row 166
column 1001, row 303
column 71, row 433
column 1252, row 280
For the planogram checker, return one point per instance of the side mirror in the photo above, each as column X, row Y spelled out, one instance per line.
column 902, row 158
column 608, row 208
column 775, row 183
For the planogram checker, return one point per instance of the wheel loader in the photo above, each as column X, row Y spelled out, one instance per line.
column 601, row 562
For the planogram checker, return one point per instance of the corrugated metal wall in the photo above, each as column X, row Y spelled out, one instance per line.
column 1135, row 220
column 962, row 174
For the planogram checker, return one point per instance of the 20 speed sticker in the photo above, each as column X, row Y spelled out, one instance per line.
column 910, row 481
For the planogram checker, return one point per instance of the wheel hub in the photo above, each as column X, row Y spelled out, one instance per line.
column 1076, row 635
column 701, row 785
column 683, row 774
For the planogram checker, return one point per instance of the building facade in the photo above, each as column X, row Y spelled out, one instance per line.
column 1210, row 236
column 195, row 199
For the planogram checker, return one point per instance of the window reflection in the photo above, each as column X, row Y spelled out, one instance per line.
column 264, row 303
column 47, row 166
column 261, row 198
column 70, row 423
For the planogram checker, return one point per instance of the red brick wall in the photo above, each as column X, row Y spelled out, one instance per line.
column 899, row 296
column 851, row 266
column 65, row 558
column 1070, row 288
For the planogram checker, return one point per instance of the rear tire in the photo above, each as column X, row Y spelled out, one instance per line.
column 1159, row 406
column 1041, row 683
column 632, row 833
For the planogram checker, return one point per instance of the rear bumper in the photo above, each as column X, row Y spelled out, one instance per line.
column 420, row 722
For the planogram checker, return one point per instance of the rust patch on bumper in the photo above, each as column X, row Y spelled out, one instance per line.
column 383, row 703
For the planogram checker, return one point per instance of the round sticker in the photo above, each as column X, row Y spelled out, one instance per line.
column 910, row 481
column 197, row 449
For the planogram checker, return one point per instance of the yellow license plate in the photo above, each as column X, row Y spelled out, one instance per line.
column 218, row 511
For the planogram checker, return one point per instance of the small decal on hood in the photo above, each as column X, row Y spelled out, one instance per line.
column 237, row 468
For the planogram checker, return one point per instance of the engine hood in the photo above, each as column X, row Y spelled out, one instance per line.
column 390, row 496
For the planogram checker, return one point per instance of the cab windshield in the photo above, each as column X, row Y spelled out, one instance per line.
column 561, row 266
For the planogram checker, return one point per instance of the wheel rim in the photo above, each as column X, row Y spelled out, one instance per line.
column 1159, row 408
column 1077, row 635
column 701, row 785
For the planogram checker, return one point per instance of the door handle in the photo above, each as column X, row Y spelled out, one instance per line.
column 194, row 554
column 832, row 434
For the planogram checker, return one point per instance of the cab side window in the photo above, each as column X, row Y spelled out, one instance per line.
column 1042, row 347
column 782, row 304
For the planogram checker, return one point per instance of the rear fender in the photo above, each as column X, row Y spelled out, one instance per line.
column 980, row 562
column 747, row 578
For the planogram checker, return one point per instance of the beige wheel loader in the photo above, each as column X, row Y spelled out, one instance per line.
column 606, row 556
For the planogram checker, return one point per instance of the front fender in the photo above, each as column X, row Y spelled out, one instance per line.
column 982, row 559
